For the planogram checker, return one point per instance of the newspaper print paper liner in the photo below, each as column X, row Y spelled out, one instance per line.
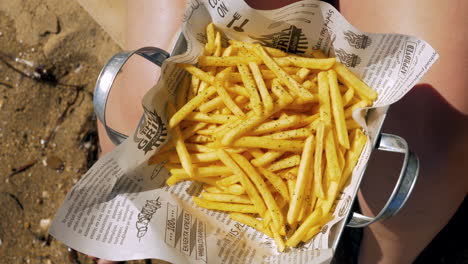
column 121, row 208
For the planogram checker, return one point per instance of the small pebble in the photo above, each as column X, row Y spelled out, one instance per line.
column 0, row 238
column 1, row 34
column 45, row 194
column 33, row 49
column 86, row 145
column 44, row 223
column 53, row 162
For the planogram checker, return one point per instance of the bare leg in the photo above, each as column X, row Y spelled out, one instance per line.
column 433, row 120
column 150, row 23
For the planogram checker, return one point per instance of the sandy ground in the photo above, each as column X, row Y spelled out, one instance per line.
column 51, row 53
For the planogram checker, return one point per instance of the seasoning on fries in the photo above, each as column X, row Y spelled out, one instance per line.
column 269, row 134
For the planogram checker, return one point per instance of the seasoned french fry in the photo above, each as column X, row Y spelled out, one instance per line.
column 215, row 119
column 292, row 84
column 251, row 87
column 245, row 181
column 229, row 207
column 348, row 112
column 210, row 36
column 352, row 156
column 267, row 158
column 233, row 179
column 180, row 145
column 290, row 134
column 310, row 221
column 332, row 159
column 277, row 182
column 226, row 61
column 324, row 97
column 266, row 98
column 302, row 177
column 267, row 143
column 285, row 163
column 276, row 125
column 236, row 189
column 349, row 79
column 349, row 94
column 251, row 221
column 229, row 198
column 337, row 109
column 211, row 105
column 258, row 181
column 311, row 63
column 212, row 171
column 190, row 106
column 318, row 173
column 228, row 100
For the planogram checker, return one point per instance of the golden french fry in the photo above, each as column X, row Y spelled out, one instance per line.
column 290, row 134
column 211, row 105
column 200, row 139
column 226, row 61
column 217, row 43
column 199, row 73
column 256, row 152
column 331, row 196
column 276, row 125
column 190, row 106
column 302, row 74
column 233, row 179
column 267, row 143
column 266, row 98
column 285, row 163
column 212, row 189
column 235, row 109
column 324, row 98
column 251, row 221
column 337, row 109
column 258, row 181
column 198, row 148
column 214, row 118
column 349, row 79
column 333, row 166
column 245, row 181
column 277, row 182
column 348, row 112
column 352, row 156
column 292, row 84
column 302, row 177
column 267, row 158
column 311, row 63
column 210, row 36
column 180, row 145
column 229, row 207
column 347, row 96
column 236, row 189
column 316, row 229
column 251, row 87
column 229, row 198
column 318, row 173
column 310, row 221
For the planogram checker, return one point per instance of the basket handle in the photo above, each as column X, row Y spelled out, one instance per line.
column 106, row 79
column 404, row 186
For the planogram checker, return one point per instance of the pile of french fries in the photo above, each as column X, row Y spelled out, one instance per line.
column 269, row 134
